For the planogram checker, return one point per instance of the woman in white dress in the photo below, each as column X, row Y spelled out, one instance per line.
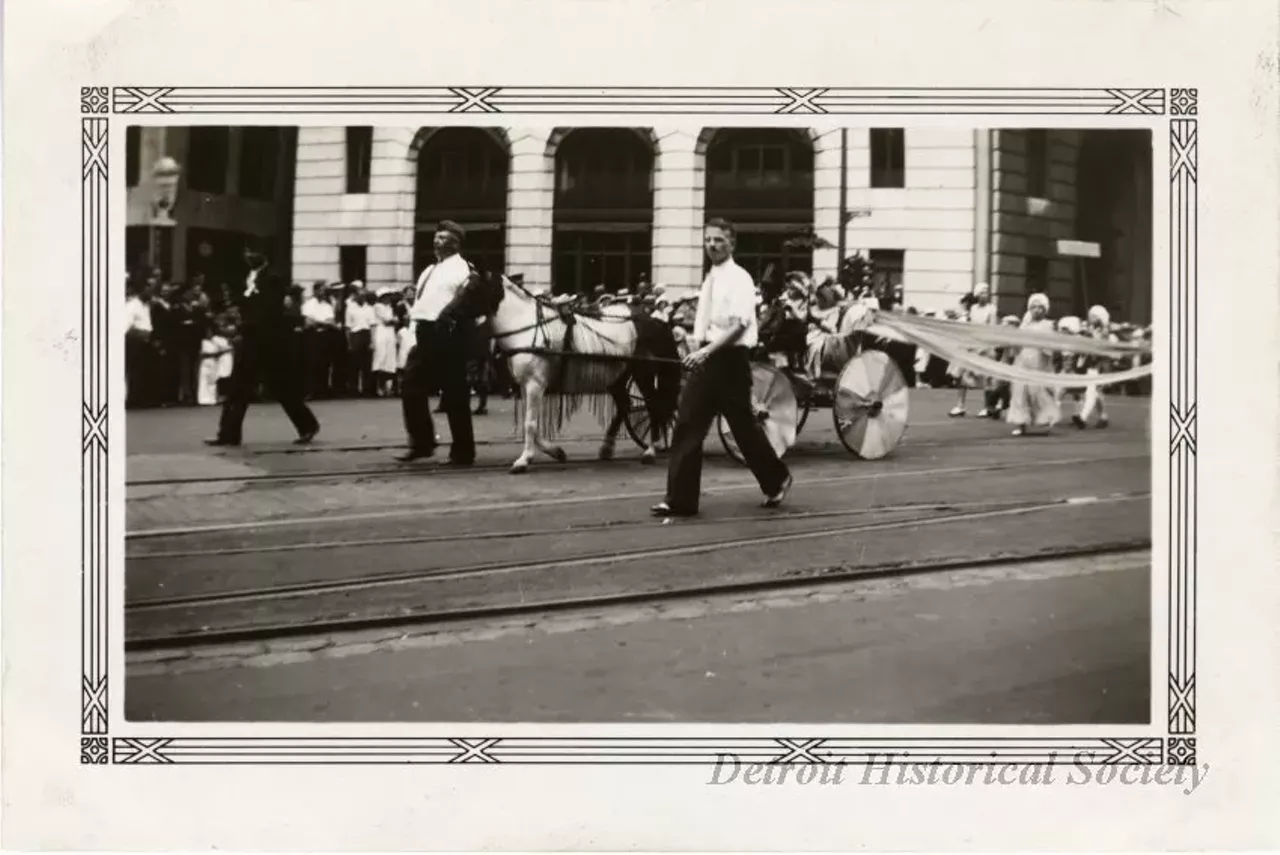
column 980, row 311
column 1030, row 404
column 385, row 356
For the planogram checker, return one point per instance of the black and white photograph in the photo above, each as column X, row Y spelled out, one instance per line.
column 638, row 424
column 642, row 427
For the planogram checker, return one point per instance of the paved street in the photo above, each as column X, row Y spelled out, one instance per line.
column 943, row 583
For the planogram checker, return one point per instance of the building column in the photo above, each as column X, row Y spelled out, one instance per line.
column 826, row 201
column 679, row 204
column 530, row 208
column 396, row 173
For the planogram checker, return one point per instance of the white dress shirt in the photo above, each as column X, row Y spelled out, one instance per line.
column 437, row 286
column 137, row 315
column 319, row 311
column 360, row 317
column 728, row 297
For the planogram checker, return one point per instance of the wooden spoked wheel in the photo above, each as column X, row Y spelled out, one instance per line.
column 870, row 405
column 637, row 420
column 774, row 404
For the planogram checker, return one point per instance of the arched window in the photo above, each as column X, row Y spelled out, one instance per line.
column 603, row 210
column 761, row 179
column 462, row 176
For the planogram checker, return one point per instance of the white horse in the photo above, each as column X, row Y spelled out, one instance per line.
column 608, row 348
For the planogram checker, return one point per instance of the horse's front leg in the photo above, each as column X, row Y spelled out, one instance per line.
column 555, row 452
column 532, row 408
column 621, row 403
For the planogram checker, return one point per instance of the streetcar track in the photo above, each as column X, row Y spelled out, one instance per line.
column 825, row 577
column 438, row 510
column 268, row 594
column 411, row 470
column 583, row 528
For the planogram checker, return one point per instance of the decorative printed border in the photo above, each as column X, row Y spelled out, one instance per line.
column 531, row 100
column 1174, row 744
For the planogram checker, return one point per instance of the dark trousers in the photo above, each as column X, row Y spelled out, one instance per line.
column 140, row 361
column 722, row 386
column 439, row 354
column 265, row 354
column 359, row 380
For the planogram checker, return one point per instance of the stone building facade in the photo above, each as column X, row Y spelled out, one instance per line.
column 937, row 209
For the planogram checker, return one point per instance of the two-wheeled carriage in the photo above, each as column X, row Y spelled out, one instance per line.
column 867, row 395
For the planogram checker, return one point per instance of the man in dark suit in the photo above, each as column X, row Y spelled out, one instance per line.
column 265, row 353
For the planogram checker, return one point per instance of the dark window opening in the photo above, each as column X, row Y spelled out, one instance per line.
column 616, row 260
column 132, row 156
column 887, row 266
column 259, row 162
column 208, row 152
column 1037, row 275
column 1038, row 163
column 888, row 157
column 353, row 263
column 359, row 159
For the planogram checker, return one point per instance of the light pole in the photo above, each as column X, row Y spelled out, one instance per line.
column 164, row 194
column 844, row 195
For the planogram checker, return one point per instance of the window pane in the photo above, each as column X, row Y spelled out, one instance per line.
column 133, row 155
column 749, row 159
column 359, row 158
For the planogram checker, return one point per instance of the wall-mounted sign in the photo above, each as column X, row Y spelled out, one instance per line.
column 1079, row 249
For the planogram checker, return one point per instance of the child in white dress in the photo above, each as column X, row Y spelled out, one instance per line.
column 385, row 346
column 215, row 356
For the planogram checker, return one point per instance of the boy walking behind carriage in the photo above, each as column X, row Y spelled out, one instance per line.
column 719, row 381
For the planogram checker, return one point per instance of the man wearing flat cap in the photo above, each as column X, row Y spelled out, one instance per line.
column 265, row 353
column 440, row 349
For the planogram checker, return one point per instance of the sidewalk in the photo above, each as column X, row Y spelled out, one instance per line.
column 359, row 422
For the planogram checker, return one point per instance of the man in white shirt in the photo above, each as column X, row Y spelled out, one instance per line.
column 360, row 319
column 319, row 326
column 440, row 353
column 139, row 356
column 725, row 330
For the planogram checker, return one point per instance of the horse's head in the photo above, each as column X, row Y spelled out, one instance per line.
column 481, row 293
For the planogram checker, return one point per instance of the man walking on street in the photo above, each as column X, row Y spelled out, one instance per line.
column 264, row 353
column 725, row 330
column 441, row 338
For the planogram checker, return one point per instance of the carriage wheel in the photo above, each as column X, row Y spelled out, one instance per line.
column 637, row 420
column 870, row 406
column 774, row 402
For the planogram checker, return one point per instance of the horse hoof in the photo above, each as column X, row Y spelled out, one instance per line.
column 648, row 458
column 518, row 468
column 558, row 455
column 606, row 454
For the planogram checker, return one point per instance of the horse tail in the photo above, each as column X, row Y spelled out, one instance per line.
column 657, row 339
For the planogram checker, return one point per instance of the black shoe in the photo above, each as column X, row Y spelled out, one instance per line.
column 305, row 439
column 416, row 454
column 219, row 441
column 662, row 509
column 779, row 497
